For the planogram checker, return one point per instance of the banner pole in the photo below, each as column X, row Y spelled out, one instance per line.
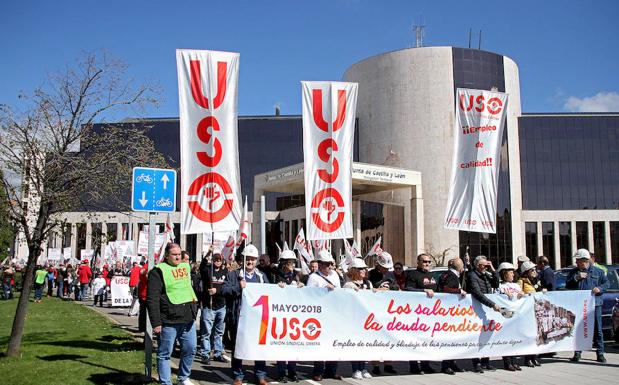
column 148, row 334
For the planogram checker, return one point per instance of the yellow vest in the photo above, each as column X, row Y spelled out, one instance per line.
column 40, row 276
column 177, row 281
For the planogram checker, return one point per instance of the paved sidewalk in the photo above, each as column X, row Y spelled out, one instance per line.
column 555, row 370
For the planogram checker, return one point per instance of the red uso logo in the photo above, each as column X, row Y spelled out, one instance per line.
column 494, row 105
column 291, row 328
column 328, row 200
column 213, row 185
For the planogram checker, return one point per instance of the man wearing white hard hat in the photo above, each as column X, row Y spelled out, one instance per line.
column 325, row 277
column 233, row 289
column 382, row 269
column 513, row 291
column 585, row 276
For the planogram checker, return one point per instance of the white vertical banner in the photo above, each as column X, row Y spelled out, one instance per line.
column 328, row 134
column 210, row 182
column 472, row 201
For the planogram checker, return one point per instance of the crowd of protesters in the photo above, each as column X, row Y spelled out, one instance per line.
column 213, row 289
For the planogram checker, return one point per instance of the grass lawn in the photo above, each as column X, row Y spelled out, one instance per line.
column 66, row 343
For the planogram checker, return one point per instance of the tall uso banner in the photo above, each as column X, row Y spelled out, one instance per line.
column 211, row 189
column 472, row 201
column 315, row 324
column 328, row 134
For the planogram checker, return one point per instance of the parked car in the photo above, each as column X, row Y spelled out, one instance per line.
column 609, row 299
column 615, row 320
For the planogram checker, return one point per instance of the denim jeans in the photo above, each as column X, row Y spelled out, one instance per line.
column 283, row 365
column 260, row 369
column 38, row 291
column 598, row 334
column 6, row 290
column 212, row 322
column 186, row 335
column 60, row 289
column 357, row 365
column 83, row 291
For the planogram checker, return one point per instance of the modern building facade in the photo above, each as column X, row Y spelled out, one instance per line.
column 558, row 181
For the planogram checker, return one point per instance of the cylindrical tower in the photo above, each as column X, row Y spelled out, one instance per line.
column 406, row 107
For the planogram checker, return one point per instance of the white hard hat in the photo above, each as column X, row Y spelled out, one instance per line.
column 527, row 266
column 506, row 266
column 385, row 260
column 287, row 254
column 582, row 254
column 324, row 256
column 250, row 251
column 217, row 250
column 523, row 258
column 358, row 263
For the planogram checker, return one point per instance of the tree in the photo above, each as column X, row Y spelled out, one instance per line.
column 7, row 233
column 63, row 158
column 438, row 256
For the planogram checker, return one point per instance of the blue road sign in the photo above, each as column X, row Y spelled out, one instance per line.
column 153, row 189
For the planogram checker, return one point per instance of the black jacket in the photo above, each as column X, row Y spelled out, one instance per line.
column 419, row 280
column 449, row 282
column 160, row 309
column 233, row 292
column 214, row 279
column 481, row 284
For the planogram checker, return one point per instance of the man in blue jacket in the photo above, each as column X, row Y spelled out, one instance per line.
column 233, row 289
column 585, row 276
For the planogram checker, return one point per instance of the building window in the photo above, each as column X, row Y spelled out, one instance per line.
column 582, row 235
column 293, row 232
column 614, row 242
column 126, row 231
column 66, row 235
column 565, row 243
column 548, row 244
column 531, row 239
column 112, row 231
column 599, row 242
column 191, row 246
column 81, row 239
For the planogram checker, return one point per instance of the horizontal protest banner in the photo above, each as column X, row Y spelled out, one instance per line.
column 315, row 324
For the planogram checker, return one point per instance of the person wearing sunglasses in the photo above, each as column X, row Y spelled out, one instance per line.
column 421, row 280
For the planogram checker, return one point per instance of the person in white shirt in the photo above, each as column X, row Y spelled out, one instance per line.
column 513, row 291
column 98, row 289
column 325, row 277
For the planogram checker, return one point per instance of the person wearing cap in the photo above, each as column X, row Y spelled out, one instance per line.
column 545, row 273
column 286, row 276
column 421, row 280
column 232, row 288
column 513, row 291
column 529, row 283
column 213, row 301
column 382, row 269
column 385, row 285
column 481, row 281
column 84, row 274
column 172, row 308
column 451, row 282
column 520, row 260
column 327, row 278
column 585, row 276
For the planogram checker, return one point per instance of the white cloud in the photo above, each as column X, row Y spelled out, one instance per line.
column 601, row 102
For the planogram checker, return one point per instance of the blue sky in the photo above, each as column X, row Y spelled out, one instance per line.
column 567, row 51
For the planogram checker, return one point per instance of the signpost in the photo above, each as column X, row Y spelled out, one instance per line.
column 152, row 190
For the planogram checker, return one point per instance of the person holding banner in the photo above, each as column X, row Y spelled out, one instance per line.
column 451, row 282
column 236, row 281
column 172, row 309
column 287, row 276
column 481, row 281
column 327, row 278
column 382, row 268
column 513, row 291
column 585, row 276
column 421, row 279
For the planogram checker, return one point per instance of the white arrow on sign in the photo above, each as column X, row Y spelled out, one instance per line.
column 165, row 181
column 143, row 201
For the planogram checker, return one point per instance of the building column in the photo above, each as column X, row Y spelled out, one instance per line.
column 609, row 256
column 135, row 232
column 183, row 241
column 540, row 239
column 199, row 247
column 573, row 237
column 556, row 237
column 258, row 220
column 103, row 238
column 119, row 231
column 88, row 235
column 590, row 244
column 416, row 230
column 356, row 221
column 73, row 240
